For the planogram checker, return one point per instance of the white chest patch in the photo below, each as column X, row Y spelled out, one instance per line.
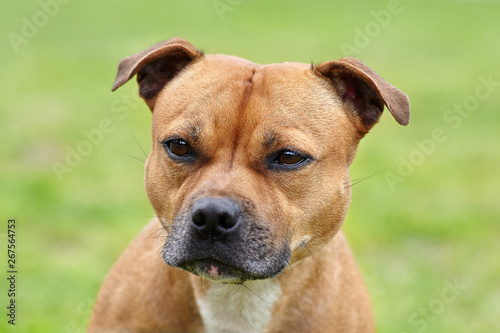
column 233, row 308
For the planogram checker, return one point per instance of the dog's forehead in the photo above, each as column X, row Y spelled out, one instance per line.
column 225, row 92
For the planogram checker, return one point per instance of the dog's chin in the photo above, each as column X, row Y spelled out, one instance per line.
column 217, row 271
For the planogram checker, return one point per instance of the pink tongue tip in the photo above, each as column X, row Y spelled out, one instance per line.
column 213, row 270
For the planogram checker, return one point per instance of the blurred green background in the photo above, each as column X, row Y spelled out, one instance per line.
column 423, row 228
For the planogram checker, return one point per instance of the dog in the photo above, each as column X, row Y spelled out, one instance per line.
column 249, row 178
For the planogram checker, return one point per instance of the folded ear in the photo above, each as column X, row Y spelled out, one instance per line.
column 365, row 92
column 156, row 66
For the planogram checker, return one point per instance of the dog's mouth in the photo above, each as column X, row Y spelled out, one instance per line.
column 217, row 271
column 245, row 251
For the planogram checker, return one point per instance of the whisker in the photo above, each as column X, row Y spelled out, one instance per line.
column 137, row 142
column 204, row 284
column 237, row 289
column 156, row 233
column 351, row 183
column 159, row 254
column 165, row 218
column 253, row 292
column 310, row 252
column 159, row 234
column 132, row 156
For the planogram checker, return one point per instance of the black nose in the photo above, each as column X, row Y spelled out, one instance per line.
column 215, row 218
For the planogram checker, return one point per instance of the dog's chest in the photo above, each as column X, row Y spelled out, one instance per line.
column 233, row 308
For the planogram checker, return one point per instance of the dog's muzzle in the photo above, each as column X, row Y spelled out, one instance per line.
column 219, row 240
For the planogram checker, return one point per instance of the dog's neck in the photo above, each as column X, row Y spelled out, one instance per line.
column 239, row 308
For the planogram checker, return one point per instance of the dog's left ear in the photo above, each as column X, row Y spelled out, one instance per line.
column 156, row 66
column 365, row 92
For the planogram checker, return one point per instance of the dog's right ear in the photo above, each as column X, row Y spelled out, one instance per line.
column 156, row 66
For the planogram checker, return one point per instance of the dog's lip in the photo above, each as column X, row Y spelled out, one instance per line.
column 215, row 270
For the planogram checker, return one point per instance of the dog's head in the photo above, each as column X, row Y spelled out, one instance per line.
column 248, row 170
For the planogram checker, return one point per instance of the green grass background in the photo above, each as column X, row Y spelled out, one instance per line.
column 438, row 226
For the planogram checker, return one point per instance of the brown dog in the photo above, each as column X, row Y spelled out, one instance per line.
column 249, row 177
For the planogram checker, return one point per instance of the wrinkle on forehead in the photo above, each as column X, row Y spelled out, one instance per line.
column 289, row 95
column 225, row 102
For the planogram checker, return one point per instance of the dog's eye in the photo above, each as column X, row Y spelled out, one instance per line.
column 288, row 157
column 178, row 148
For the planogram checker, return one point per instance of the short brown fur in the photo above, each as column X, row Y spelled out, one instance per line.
column 235, row 114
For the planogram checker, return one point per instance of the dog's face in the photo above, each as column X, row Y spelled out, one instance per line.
column 243, row 168
column 248, row 170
